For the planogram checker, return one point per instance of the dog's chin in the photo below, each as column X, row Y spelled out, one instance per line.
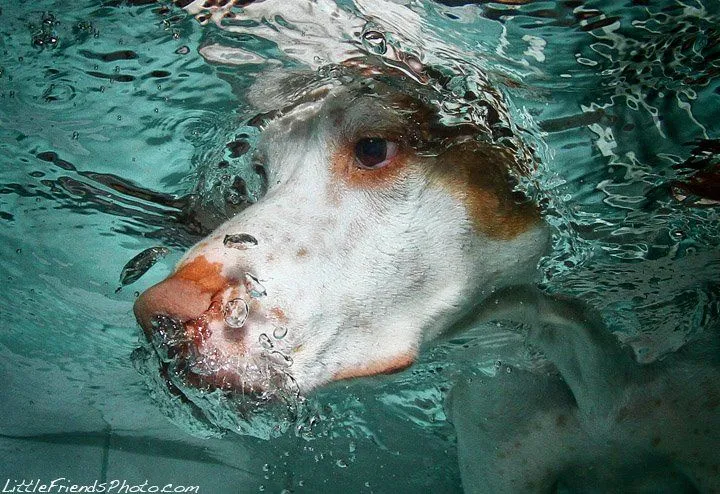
column 210, row 399
column 189, row 379
column 187, row 360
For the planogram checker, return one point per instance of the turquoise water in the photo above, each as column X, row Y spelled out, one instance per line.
column 114, row 115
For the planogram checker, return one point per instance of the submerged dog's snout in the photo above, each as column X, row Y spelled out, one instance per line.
column 184, row 296
column 176, row 298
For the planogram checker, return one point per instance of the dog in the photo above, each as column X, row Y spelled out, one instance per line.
column 383, row 229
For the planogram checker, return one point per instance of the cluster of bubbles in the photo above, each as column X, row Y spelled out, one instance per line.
column 45, row 35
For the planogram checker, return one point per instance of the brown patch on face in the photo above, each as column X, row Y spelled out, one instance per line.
column 391, row 366
column 345, row 168
column 302, row 252
column 478, row 174
column 203, row 273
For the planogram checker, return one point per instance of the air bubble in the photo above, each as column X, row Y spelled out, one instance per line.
column 374, row 41
column 240, row 241
column 254, row 287
column 236, row 312
column 677, row 235
column 138, row 265
column 265, row 342
column 280, row 332
column 281, row 358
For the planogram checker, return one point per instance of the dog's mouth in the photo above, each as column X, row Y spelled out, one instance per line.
column 187, row 348
column 253, row 395
column 202, row 408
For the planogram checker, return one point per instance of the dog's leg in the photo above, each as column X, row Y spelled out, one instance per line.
column 573, row 337
column 516, row 431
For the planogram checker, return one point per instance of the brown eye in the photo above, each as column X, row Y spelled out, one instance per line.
column 374, row 152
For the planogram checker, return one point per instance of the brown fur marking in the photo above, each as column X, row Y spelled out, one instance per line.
column 278, row 314
column 478, row 175
column 203, row 273
column 396, row 364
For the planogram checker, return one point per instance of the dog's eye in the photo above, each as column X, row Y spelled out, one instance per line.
column 374, row 152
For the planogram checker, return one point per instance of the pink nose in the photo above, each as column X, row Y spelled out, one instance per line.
column 184, row 296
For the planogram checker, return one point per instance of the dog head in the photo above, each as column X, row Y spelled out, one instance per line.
column 381, row 228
